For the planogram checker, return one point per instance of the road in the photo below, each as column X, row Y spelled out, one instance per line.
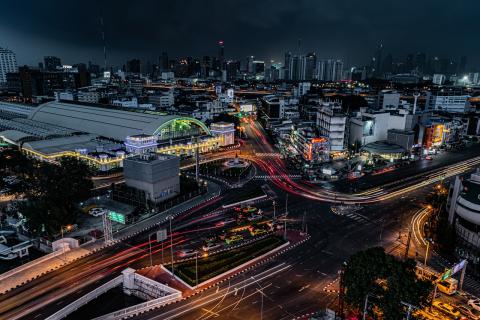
column 290, row 292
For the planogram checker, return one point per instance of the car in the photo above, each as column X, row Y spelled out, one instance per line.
column 258, row 232
column 471, row 314
column 211, row 246
column 428, row 158
column 447, row 309
column 233, row 239
column 474, row 304
column 186, row 253
column 96, row 212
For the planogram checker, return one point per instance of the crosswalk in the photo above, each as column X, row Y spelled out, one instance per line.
column 358, row 218
column 268, row 154
column 351, row 212
column 267, row 177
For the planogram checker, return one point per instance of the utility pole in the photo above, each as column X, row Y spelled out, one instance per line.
column 171, row 244
column 341, row 293
column 274, row 215
column 286, row 205
column 196, row 268
column 150, row 248
column 197, row 164
column 462, row 276
column 365, row 307
column 407, row 248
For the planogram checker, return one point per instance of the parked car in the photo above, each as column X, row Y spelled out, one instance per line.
column 447, row 309
column 185, row 253
column 96, row 212
column 474, row 304
column 471, row 314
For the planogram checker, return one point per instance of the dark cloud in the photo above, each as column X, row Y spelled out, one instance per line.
column 266, row 28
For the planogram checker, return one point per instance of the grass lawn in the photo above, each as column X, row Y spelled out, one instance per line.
column 211, row 266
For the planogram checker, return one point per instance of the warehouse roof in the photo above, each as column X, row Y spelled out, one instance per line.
column 106, row 122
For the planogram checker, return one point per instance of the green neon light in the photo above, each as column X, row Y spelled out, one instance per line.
column 117, row 217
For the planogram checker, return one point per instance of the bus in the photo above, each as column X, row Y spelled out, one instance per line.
column 448, row 286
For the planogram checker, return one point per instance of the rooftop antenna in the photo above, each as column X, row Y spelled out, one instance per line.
column 299, row 46
column 104, row 44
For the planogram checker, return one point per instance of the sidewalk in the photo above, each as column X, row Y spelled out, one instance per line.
column 36, row 268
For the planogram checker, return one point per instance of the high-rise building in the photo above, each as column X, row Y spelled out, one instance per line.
column 329, row 70
column 163, row 61
column 286, row 63
column 249, row 67
column 134, row 66
column 462, row 66
column 51, row 63
column 221, row 51
column 308, row 66
column 8, row 63
column 376, row 62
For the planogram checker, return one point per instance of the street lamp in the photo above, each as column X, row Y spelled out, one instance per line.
column 196, row 268
column 171, row 243
column 428, row 246
column 68, row 227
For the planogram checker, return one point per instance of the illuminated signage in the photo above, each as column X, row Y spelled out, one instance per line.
column 117, row 217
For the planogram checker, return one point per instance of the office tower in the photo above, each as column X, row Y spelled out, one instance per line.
column 133, row 66
column 329, row 70
column 377, row 60
column 308, row 66
column 387, row 64
column 462, row 66
column 250, row 61
column 286, row 63
column 221, row 51
column 163, row 61
column 8, row 63
column 51, row 63
column 421, row 61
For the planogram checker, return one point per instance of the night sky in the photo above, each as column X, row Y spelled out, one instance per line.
column 350, row 30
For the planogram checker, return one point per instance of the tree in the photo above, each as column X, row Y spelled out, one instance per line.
column 225, row 117
column 53, row 192
column 388, row 280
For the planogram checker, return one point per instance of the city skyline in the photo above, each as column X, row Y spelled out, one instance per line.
column 332, row 30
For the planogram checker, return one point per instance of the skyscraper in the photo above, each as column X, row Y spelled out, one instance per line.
column 51, row 63
column 221, row 51
column 376, row 63
column 163, row 61
column 329, row 70
column 8, row 63
column 134, row 66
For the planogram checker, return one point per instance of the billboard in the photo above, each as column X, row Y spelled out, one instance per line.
column 161, row 235
column 246, row 107
column 117, row 217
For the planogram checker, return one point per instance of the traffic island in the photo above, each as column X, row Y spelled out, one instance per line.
column 209, row 267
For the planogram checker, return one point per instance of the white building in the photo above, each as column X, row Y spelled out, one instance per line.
column 8, row 63
column 132, row 103
column 388, row 99
column 331, row 122
column 168, row 76
column 463, row 206
column 224, row 130
column 90, row 96
column 163, row 100
column 439, row 79
column 369, row 127
column 449, row 102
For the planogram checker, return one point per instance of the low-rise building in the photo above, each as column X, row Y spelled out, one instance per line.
column 331, row 122
column 158, row 175
column 463, row 207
